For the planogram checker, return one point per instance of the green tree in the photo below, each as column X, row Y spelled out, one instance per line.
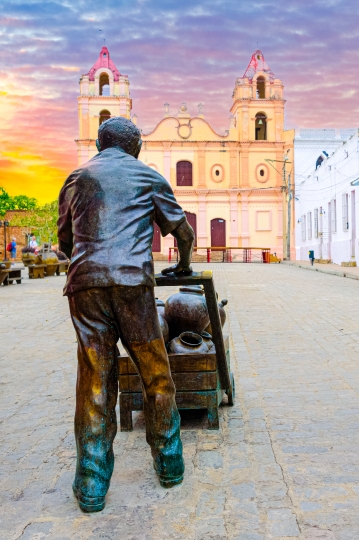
column 19, row 202
column 42, row 220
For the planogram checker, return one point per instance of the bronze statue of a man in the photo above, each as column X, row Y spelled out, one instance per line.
column 107, row 208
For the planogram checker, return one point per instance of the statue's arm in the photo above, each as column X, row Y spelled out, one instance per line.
column 185, row 237
column 64, row 226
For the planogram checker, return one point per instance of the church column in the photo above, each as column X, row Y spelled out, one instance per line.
column 280, row 225
column 233, row 211
column 202, row 236
column 168, row 240
column 245, row 219
column 167, row 161
column 244, row 165
column 201, row 150
column 245, row 123
column 233, row 174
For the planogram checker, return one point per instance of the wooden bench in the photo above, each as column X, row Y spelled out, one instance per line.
column 36, row 271
column 62, row 267
column 14, row 274
column 201, row 380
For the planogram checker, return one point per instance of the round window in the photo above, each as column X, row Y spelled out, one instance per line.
column 262, row 173
column 217, row 173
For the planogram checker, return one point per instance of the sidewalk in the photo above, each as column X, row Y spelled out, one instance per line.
column 351, row 272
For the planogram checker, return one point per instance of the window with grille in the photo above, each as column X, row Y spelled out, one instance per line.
column 316, row 223
column 184, row 173
column 309, row 219
column 345, row 214
column 333, row 216
column 304, row 227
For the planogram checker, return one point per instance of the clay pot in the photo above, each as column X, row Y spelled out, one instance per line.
column 207, row 339
column 187, row 311
column 222, row 315
column 188, row 343
column 161, row 317
column 7, row 264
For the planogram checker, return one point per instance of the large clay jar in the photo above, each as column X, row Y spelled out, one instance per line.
column 187, row 310
column 188, row 343
column 161, row 317
column 222, row 315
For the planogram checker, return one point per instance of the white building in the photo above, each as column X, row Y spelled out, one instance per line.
column 326, row 198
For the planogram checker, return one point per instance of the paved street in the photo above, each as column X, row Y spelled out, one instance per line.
column 284, row 464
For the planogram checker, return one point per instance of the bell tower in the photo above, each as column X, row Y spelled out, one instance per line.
column 258, row 104
column 104, row 92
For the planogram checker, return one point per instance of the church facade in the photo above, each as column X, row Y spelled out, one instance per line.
column 229, row 184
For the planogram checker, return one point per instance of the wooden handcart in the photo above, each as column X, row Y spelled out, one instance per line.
column 201, row 380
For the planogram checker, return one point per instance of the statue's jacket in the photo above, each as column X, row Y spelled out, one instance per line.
column 106, row 211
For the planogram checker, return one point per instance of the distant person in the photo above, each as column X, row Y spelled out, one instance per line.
column 13, row 250
column 33, row 244
column 311, row 257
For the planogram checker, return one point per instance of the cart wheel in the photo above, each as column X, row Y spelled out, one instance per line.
column 231, row 392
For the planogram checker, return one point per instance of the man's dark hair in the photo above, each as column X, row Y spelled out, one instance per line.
column 119, row 131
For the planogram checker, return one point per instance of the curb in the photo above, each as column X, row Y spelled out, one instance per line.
column 323, row 271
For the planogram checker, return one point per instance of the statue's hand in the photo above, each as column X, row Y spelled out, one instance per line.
column 177, row 269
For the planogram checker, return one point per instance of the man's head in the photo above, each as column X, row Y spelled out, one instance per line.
column 119, row 131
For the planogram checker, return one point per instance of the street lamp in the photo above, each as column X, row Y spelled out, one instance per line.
column 5, row 224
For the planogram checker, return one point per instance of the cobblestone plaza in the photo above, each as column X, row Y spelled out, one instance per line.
column 284, row 464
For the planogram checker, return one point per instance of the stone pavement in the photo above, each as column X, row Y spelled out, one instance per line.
column 284, row 464
column 351, row 272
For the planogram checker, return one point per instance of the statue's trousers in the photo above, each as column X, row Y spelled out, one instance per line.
column 102, row 316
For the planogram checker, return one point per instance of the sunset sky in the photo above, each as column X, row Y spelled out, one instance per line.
column 172, row 51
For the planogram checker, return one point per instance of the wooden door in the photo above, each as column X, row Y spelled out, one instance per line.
column 156, row 242
column 218, row 232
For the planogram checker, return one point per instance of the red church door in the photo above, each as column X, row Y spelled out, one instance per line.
column 218, row 233
column 156, row 242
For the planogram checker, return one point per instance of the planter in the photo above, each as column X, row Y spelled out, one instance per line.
column 3, row 273
column 28, row 258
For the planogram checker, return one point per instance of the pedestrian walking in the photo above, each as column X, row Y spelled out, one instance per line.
column 33, row 243
column 12, row 246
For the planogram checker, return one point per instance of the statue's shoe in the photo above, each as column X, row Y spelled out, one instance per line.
column 168, row 481
column 89, row 504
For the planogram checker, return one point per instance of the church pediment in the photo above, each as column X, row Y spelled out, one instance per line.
column 183, row 129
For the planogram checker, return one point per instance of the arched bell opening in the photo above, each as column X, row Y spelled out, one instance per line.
column 104, row 85
column 261, row 88
column 104, row 115
column 261, row 127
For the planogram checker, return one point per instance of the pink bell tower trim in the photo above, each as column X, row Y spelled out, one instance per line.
column 256, row 64
column 104, row 61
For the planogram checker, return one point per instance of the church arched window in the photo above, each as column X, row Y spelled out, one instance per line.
column 261, row 88
column 184, row 173
column 104, row 85
column 261, row 127
column 104, row 115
